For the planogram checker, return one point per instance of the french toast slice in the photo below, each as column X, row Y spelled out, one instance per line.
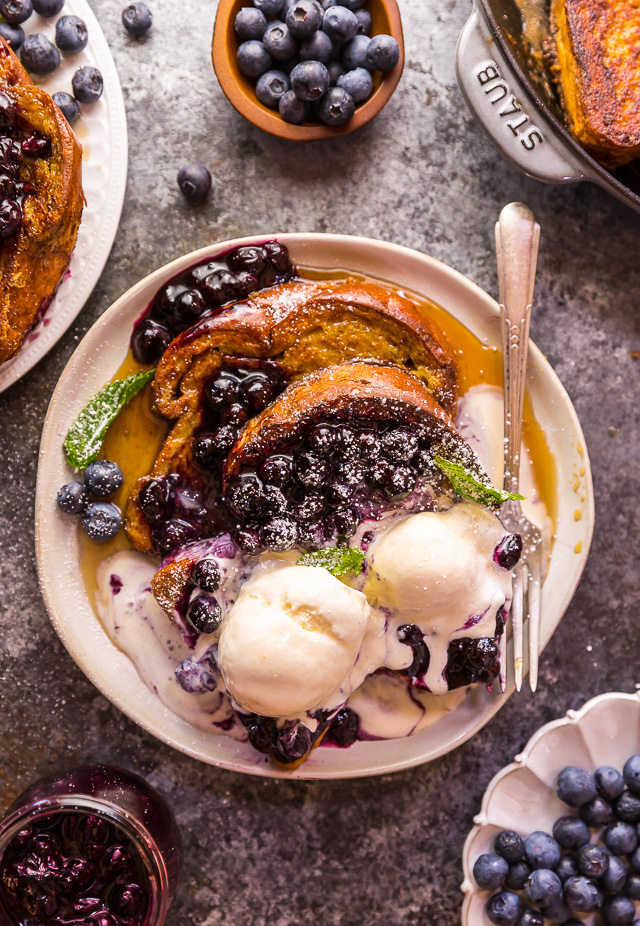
column 48, row 180
column 295, row 328
column 598, row 74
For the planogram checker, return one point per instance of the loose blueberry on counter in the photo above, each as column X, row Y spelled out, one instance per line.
column 621, row 838
column 618, row 911
column 609, row 782
column 87, row 84
column 592, row 861
column 304, row 18
column 39, row 55
column 16, row 11
column 354, row 53
column 490, row 871
column 73, row 498
column 194, row 182
column 103, row 478
column 71, row 34
column 271, row 86
column 292, row 109
column 358, row 83
column 576, row 786
column 336, row 107
column 253, row 58
column 101, row 521
column 571, row 833
column 597, row 812
column 13, row 35
column 137, row 18
column 339, row 23
column 278, row 41
column 504, row 909
column 250, row 23
column 509, row 845
column 541, row 850
column 383, row 53
column 48, row 8
column 204, row 614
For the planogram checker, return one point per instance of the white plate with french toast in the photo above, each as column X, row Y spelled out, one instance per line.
column 101, row 130
column 341, row 405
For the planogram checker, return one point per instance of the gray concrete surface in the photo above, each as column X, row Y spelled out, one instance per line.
column 383, row 851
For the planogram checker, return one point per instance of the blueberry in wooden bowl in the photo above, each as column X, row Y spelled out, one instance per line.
column 336, row 112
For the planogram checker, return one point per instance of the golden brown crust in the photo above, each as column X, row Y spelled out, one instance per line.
column 598, row 71
column 33, row 260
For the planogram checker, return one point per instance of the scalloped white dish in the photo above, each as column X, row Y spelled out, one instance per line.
column 101, row 129
column 96, row 360
column 522, row 796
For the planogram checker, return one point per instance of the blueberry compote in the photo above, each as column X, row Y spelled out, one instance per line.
column 94, row 846
column 15, row 146
column 205, row 290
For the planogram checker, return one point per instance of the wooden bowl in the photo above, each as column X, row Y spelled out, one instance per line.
column 240, row 90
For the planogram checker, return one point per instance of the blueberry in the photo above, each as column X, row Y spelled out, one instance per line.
column 543, row 887
column 614, row 878
column 634, row 860
column 571, row 833
column 354, row 53
column 149, row 341
column 204, row 614
column 103, row 478
column 73, row 498
column 274, row 501
column 566, row 868
column 206, row 574
column 309, row 508
column 71, row 34
column 593, row 861
column 137, row 18
column 271, row 86
column 335, row 70
column 399, row 444
column 336, row 107
column 364, row 22
column 248, row 539
column 358, row 84
column 597, row 812
column 101, row 521
column 279, row 534
column 400, row 483
column 194, row 182
column 631, row 773
column 276, row 471
column 508, row 551
column 352, row 4
column 250, row 23
column 16, row 11
column 279, row 42
column 253, row 58
column 235, row 414
column 292, row 109
column 339, row 23
column 318, row 48
column 304, row 18
column 576, row 786
column 206, row 452
column 125, row 900
column 627, row 807
column 278, row 256
column 517, row 876
column 383, row 53
column 609, row 782
column 257, row 391
column 269, row 7
column 339, row 494
column 582, row 895
column 10, row 218
column 311, row 470
column 323, row 439
column 621, row 838
column 48, row 8
column 346, row 521
column 244, row 497
column 154, row 499
column 13, row 35
column 541, row 850
column 309, row 80
column 490, row 871
column 67, row 106
column 531, row 917
column 87, row 84
column 618, row 911
column 504, row 909
column 39, row 55
column 345, row 727
column 632, row 887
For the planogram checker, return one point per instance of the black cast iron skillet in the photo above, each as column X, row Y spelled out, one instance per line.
column 507, row 87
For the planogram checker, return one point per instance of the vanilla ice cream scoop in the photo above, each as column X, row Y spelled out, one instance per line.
column 436, row 570
column 291, row 640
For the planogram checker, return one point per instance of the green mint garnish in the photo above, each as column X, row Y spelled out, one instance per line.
column 336, row 560
column 84, row 440
column 466, row 484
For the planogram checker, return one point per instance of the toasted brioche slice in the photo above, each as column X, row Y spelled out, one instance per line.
column 598, row 70
column 33, row 260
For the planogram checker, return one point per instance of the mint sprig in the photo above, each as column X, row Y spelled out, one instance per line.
column 84, row 439
column 467, row 485
column 336, row 560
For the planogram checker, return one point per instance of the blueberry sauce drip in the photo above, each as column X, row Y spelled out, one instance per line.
column 73, row 868
column 475, row 660
column 203, row 291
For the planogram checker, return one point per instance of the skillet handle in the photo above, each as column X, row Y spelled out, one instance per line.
column 505, row 111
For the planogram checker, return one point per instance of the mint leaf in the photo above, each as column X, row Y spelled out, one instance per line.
column 84, row 440
column 336, row 560
column 466, row 484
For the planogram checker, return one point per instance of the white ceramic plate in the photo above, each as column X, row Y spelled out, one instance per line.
column 522, row 797
column 99, row 356
column 102, row 131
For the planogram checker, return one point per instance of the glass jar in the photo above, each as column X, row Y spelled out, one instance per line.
column 92, row 844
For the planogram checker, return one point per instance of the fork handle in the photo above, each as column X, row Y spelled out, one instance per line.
column 517, row 238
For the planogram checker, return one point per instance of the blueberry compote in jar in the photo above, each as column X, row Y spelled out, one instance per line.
column 92, row 846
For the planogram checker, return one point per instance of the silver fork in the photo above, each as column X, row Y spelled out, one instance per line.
column 517, row 238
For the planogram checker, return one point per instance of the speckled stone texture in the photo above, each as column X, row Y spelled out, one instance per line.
column 382, row 851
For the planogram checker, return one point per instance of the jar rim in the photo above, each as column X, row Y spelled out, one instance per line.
column 126, row 821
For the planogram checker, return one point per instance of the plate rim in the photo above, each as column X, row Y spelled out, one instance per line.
column 306, row 770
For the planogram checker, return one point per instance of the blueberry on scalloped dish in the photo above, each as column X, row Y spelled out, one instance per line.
column 67, row 105
column 16, row 12
column 71, row 34
column 13, row 35
column 39, row 55
column 48, row 8
column 87, row 84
